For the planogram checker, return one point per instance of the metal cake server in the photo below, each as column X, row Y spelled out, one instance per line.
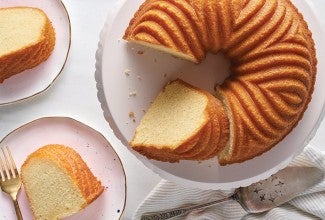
column 258, row 197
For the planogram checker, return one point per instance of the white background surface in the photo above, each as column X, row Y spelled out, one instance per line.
column 74, row 95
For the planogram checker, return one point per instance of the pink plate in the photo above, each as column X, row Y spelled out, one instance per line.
column 92, row 147
column 36, row 80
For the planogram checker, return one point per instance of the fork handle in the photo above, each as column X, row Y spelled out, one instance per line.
column 18, row 213
column 168, row 214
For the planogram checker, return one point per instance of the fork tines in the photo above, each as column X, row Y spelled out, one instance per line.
column 8, row 169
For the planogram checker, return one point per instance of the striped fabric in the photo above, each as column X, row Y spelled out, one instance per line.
column 308, row 205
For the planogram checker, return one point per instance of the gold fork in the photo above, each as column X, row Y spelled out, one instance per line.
column 10, row 182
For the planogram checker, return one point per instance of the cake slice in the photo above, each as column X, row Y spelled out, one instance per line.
column 27, row 39
column 174, row 122
column 58, row 183
column 183, row 123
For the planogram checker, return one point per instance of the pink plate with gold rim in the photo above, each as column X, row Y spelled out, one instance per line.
column 95, row 150
column 38, row 79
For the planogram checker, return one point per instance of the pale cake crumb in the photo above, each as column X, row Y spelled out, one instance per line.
column 127, row 72
column 131, row 114
column 139, row 77
column 133, row 93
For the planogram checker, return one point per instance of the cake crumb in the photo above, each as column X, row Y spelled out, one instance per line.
column 131, row 114
column 155, row 60
column 140, row 52
column 133, row 93
column 144, row 111
column 165, row 75
column 139, row 77
column 118, row 40
column 127, row 72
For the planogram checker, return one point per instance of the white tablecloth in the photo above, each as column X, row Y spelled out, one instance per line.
column 74, row 95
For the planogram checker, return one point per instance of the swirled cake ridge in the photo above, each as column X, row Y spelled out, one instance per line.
column 272, row 54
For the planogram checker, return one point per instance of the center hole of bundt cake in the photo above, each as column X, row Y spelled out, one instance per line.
column 219, row 65
column 212, row 71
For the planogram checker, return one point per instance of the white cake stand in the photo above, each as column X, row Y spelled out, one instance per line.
column 129, row 77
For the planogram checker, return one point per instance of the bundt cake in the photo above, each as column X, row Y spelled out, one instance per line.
column 272, row 54
column 27, row 39
column 58, row 182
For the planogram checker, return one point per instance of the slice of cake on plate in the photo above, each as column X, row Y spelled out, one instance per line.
column 58, row 183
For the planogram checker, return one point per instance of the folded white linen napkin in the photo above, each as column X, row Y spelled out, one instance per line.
column 308, row 205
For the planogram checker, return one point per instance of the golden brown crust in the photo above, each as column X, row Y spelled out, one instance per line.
column 161, row 154
column 251, row 141
column 272, row 54
column 201, row 144
column 31, row 55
